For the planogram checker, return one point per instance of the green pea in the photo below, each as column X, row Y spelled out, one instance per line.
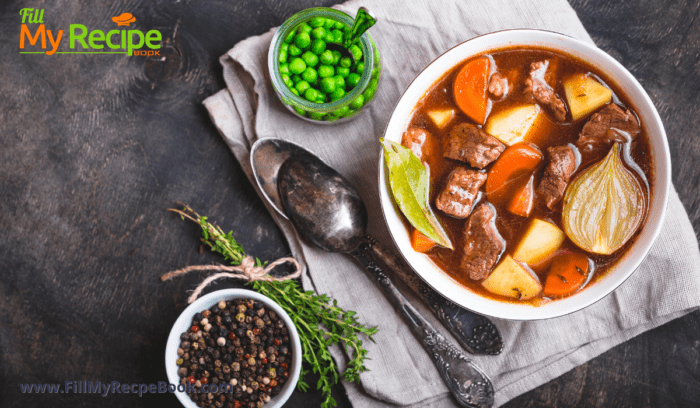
column 343, row 72
column 302, row 86
column 300, row 112
column 336, row 57
column 331, row 118
column 317, row 115
column 353, row 80
column 356, row 52
column 329, row 37
column 294, row 50
column 319, row 32
column 310, row 58
column 287, row 80
column 294, row 91
column 339, row 25
column 297, row 66
column 290, row 37
column 337, row 36
column 304, row 28
column 302, row 40
column 337, row 94
column 341, row 111
column 311, row 94
column 349, row 113
column 310, row 75
column 345, row 62
column 358, row 102
column 318, row 46
column 339, row 81
column 283, row 57
column 317, row 21
column 326, row 57
column 325, row 71
column 284, row 47
column 328, row 84
column 296, row 78
column 360, row 67
column 329, row 24
column 321, row 98
column 375, row 72
column 284, row 69
column 373, row 84
column 368, row 94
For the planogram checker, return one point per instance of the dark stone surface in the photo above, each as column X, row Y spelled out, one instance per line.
column 93, row 149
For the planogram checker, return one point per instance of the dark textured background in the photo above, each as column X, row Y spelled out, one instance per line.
column 94, row 148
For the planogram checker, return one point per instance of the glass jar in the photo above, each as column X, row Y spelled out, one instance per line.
column 340, row 110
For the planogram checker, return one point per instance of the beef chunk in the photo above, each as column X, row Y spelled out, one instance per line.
column 562, row 164
column 538, row 86
column 458, row 195
column 606, row 125
column 415, row 139
column 498, row 86
column 469, row 144
column 482, row 243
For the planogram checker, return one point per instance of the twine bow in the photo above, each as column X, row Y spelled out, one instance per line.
column 246, row 271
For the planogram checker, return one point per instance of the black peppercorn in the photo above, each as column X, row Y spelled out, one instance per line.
column 235, row 343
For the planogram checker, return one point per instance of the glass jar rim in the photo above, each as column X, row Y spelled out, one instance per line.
column 276, row 45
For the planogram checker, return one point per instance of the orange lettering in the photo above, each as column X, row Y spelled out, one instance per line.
column 41, row 31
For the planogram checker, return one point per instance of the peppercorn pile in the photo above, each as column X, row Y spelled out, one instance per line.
column 238, row 342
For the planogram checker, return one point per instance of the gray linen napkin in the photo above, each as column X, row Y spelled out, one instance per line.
column 409, row 35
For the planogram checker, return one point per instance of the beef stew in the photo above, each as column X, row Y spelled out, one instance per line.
column 501, row 154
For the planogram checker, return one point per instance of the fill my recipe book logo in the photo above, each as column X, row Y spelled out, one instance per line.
column 82, row 40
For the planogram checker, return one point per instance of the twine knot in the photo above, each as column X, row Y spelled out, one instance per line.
column 247, row 270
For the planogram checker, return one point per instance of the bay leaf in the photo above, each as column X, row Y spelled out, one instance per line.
column 604, row 206
column 410, row 182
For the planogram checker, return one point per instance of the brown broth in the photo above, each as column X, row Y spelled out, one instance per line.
column 514, row 64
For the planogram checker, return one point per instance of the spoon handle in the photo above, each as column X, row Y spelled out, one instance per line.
column 474, row 332
column 471, row 386
column 363, row 21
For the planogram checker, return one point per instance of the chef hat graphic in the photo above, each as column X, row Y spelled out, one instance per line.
column 124, row 19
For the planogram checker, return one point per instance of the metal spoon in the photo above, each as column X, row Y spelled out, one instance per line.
column 329, row 213
column 474, row 332
column 363, row 21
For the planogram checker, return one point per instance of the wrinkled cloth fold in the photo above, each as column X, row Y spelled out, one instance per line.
column 409, row 35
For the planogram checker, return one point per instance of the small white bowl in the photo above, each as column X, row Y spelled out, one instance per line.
column 184, row 322
column 661, row 173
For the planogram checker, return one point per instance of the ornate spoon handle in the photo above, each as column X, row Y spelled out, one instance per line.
column 474, row 332
column 471, row 386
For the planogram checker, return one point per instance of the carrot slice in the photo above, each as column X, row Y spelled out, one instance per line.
column 420, row 242
column 470, row 89
column 522, row 202
column 510, row 171
column 567, row 274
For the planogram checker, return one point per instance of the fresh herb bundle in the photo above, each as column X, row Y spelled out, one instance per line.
column 320, row 322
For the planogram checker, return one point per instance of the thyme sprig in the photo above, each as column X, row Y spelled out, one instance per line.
column 319, row 320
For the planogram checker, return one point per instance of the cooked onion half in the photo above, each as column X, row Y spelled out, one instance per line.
column 604, row 206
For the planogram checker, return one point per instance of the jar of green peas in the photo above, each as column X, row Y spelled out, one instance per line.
column 317, row 82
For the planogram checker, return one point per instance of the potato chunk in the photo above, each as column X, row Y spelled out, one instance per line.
column 513, row 280
column 441, row 117
column 512, row 125
column 541, row 239
column 585, row 95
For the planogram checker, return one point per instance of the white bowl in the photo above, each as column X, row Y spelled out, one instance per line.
column 184, row 322
column 641, row 104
